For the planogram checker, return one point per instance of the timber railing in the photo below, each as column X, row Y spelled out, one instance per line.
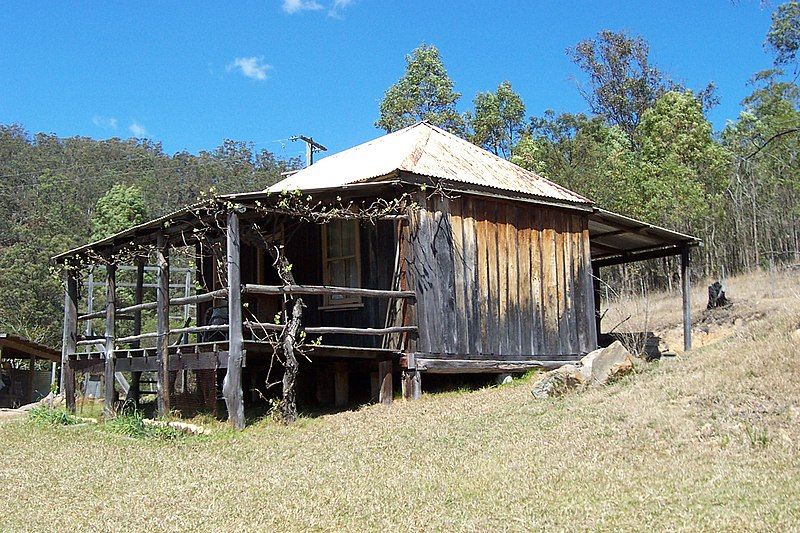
column 273, row 290
column 326, row 290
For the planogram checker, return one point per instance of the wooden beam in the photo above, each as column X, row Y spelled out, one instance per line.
column 323, row 289
column 385, row 388
column 110, row 339
column 70, row 337
column 330, row 330
column 32, row 362
column 458, row 366
column 150, row 363
column 597, row 290
column 232, row 386
column 162, row 324
column 341, row 384
column 637, row 255
column 138, row 296
column 686, row 290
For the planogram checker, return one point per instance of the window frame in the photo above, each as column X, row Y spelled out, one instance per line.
column 347, row 302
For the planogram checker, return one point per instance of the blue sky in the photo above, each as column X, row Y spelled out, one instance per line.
column 192, row 74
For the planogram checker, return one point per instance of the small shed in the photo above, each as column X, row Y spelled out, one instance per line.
column 417, row 252
column 20, row 382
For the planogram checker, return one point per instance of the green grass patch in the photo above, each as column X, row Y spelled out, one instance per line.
column 52, row 417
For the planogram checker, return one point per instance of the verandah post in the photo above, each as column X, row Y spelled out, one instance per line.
column 232, row 386
column 69, row 340
column 162, row 324
column 385, row 386
column 111, row 318
column 686, row 290
column 134, row 391
column 597, row 292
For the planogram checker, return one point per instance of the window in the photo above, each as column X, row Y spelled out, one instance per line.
column 341, row 261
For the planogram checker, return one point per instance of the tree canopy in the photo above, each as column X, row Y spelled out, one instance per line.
column 424, row 92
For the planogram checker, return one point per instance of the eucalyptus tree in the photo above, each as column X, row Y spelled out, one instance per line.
column 424, row 92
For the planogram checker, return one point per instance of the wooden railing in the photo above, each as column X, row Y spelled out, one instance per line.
column 295, row 290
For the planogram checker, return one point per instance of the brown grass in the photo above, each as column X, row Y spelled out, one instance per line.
column 705, row 441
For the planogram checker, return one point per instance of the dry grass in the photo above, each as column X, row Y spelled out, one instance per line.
column 706, row 441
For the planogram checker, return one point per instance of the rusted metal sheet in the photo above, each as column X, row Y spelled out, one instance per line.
column 425, row 150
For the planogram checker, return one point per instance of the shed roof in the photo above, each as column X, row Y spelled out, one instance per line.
column 619, row 239
column 13, row 347
column 427, row 151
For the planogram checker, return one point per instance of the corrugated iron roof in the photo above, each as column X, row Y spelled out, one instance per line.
column 424, row 150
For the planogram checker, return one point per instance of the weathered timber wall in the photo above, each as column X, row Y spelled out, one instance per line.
column 500, row 278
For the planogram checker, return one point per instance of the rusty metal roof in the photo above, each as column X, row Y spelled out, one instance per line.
column 428, row 151
column 617, row 239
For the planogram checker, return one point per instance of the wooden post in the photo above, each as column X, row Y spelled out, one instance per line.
column 385, row 386
column 69, row 340
column 31, row 378
column 162, row 324
column 111, row 319
column 232, row 386
column 686, row 289
column 412, row 384
column 341, row 385
column 138, row 295
column 596, row 287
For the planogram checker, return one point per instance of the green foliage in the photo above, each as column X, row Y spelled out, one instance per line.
column 784, row 33
column 622, row 82
column 52, row 417
column 47, row 205
column 682, row 168
column 131, row 424
column 424, row 92
column 118, row 209
column 498, row 121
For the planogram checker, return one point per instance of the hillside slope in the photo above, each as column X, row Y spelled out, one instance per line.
column 706, row 440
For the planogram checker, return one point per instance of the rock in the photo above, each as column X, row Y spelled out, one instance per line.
column 557, row 382
column 665, row 350
column 796, row 335
column 606, row 364
column 503, row 379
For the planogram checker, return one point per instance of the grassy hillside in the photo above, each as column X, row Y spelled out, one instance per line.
column 709, row 440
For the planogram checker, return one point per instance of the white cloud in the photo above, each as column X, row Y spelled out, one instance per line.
column 293, row 6
column 107, row 123
column 137, row 130
column 337, row 6
column 252, row 67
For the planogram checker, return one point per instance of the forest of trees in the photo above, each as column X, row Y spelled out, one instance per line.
column 645, row 148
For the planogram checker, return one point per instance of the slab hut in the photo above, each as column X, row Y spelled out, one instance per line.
column 461, row 262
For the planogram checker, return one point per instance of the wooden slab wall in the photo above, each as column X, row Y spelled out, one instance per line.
column 500, row 278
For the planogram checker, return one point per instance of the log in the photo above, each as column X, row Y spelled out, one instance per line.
column 330, row 330
column 686, row 290
column 69, row 340
column 232, row 386
column 111, row 311
column 175, row 302
column 162, row 324
column 341, row 385
column 385, row 387
column 323, row 290
column 192, row 329
column 138, row 295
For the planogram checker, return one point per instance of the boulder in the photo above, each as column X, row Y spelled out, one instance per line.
column 606, row 364
column 557, row 382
